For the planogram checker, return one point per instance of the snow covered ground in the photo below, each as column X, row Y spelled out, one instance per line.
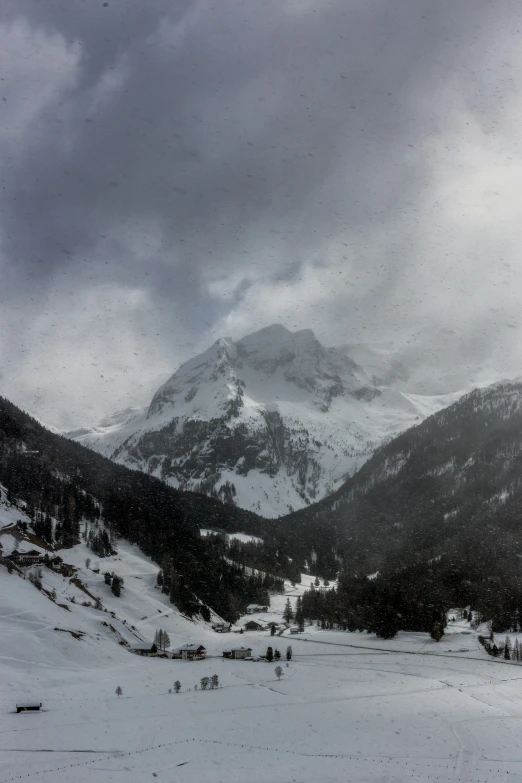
column 337, row 714
column 348, row 706
column 244, row 538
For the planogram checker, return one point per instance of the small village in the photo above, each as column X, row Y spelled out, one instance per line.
column 197, row 651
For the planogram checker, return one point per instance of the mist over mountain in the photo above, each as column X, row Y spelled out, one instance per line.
column 271, row 422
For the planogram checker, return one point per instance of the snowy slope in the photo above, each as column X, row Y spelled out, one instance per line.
column 271, row 422
column 348, row 706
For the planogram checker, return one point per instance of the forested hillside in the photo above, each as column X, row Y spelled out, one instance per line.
column 436, row 513
column 62, row 480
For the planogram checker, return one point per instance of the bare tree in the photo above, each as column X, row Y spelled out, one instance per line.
column 162, row 640
column 278, row 670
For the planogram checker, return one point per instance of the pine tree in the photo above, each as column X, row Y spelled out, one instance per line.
column 119, row 691
column 177, row 686
column 277, row 655
column 107, row 578
column 507, row 649
column 299, row 616
column 204, row 683
column 386, row 625
column 288, row 653
column 269, row 654
column 214, row 681
column 117, row 583
column 437, row 630
column 288, row 613
column 272, row 630
column 278, row 670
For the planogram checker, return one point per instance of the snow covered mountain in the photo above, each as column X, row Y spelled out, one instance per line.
column 271, row 422
column 448, row 491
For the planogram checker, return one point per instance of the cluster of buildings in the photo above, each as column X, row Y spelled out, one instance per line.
column 33, row 557
column 189, row 652
column 193, row 652
column 26, row 558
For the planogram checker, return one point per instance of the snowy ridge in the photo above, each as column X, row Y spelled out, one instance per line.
column 271, row 422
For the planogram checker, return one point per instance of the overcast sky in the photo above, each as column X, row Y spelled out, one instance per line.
column 177, row 170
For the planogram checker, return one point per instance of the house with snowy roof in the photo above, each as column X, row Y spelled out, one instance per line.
column 190, row 652
column 26, row 558
column 253, row 608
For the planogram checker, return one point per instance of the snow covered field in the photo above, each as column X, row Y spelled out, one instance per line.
column 348, row 707
column 338, row 713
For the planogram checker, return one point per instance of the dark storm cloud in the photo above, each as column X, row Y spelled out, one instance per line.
column 200, row 147
column 226, row 116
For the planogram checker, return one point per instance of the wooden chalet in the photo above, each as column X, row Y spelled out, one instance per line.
column 240, row 653
column 253, row 626
column 55, row 562
column 222, row 627
column 141, row 649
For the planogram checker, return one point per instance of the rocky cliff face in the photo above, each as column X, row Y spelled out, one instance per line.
column 271, row 422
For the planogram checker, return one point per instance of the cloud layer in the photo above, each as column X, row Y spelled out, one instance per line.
column 174, row 172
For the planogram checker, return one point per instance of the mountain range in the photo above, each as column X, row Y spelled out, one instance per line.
column 271, row 422
column 435, row 510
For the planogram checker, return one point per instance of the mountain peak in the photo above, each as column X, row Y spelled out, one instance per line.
column 270, row 422
column 276, row 334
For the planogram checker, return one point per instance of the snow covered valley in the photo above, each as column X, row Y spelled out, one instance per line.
column 347, row 707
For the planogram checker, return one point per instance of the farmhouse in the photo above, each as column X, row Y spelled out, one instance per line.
column 253, row 626
column 26, row 558
column 253, row 608
column 221, row 627
column 190, row 652
column 141, row 649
